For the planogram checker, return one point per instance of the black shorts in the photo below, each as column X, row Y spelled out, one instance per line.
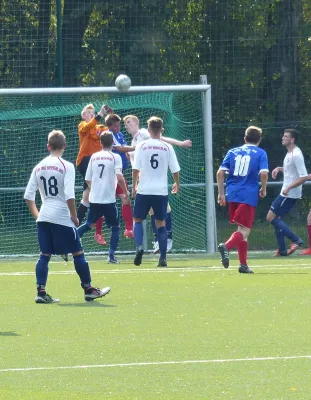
column 82, row 167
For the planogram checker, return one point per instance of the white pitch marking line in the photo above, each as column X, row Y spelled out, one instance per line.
column 274, row 267
column 139, row 364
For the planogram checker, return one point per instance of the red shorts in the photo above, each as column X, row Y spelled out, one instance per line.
column 119, row 189
column 242, row 214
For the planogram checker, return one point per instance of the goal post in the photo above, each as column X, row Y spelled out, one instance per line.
column 28, row 115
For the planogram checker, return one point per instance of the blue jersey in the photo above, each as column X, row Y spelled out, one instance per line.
column 243, row 165
column 118, row 140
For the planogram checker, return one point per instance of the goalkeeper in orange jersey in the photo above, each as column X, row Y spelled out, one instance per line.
column 89, row 131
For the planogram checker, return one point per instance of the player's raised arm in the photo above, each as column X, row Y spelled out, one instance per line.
column 124, row 149
column 186, row 144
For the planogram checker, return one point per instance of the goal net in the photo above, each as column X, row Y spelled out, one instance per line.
column 26, row 120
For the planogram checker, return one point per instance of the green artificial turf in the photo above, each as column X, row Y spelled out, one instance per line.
column 193, row 330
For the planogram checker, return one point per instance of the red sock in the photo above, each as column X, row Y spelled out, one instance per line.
column 242, row 250
column 127, row 216
column 309, row 235
column 99, row 226
column 234, row 241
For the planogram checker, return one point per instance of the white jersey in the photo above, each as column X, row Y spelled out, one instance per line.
column 140, row 136
column 102, row 172
column 153, row 158
column 294, row 168
column 55, row 179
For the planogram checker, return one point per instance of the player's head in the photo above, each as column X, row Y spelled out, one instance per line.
column 253, row 135
column 113, row 122
column 131, row 123
column 155, row 126
column 88, row 112
column 106, row 139
column 290, row 137
column 56, row 141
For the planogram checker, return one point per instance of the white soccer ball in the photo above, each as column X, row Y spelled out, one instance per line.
column 123, row 83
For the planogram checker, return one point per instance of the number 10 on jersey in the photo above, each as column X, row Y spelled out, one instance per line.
column 241, row 165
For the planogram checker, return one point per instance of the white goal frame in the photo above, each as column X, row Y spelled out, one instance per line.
column 205, row 90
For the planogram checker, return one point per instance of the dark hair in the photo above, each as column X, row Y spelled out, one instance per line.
column 56, row 140
column 111, row 119
column 294, row 134
column 106, row 139
column 253, row 135
column 155, row 124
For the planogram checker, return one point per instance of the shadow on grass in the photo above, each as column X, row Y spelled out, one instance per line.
column 9, row 334
column 86, row 304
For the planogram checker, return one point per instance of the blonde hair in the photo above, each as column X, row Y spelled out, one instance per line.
column 56, row 140
column 132, row 117
column 155, row 124
column 87, row 107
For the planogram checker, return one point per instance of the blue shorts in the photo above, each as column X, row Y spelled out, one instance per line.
column 108, row 211
column 282, row 205
column 58, row 239
column 143, row 203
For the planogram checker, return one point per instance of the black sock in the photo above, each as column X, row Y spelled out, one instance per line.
column 81, row 212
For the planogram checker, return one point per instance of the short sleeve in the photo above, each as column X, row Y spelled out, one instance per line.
column 32, row 187
column 137, row 158
column 118, row 163
column 69, row 182
column 300, row 165
column 225, row 165
column 263, row 162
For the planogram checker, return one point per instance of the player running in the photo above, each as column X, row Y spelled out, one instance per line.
column 243, row 165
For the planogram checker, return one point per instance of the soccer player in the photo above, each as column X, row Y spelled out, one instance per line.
column 56, row 221
column 103, row 173
column 243, row 165
column 295, row 174
column 113, row 122
column 138, row 135
column 89, row 131
column 152, row 159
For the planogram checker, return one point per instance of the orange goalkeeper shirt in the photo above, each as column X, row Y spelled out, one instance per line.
column 89, row 138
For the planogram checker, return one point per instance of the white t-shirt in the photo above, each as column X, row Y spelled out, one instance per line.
column 153, row 158
column 102, row 172
column 55, row 179
column 140, row 136
column 294, row 168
